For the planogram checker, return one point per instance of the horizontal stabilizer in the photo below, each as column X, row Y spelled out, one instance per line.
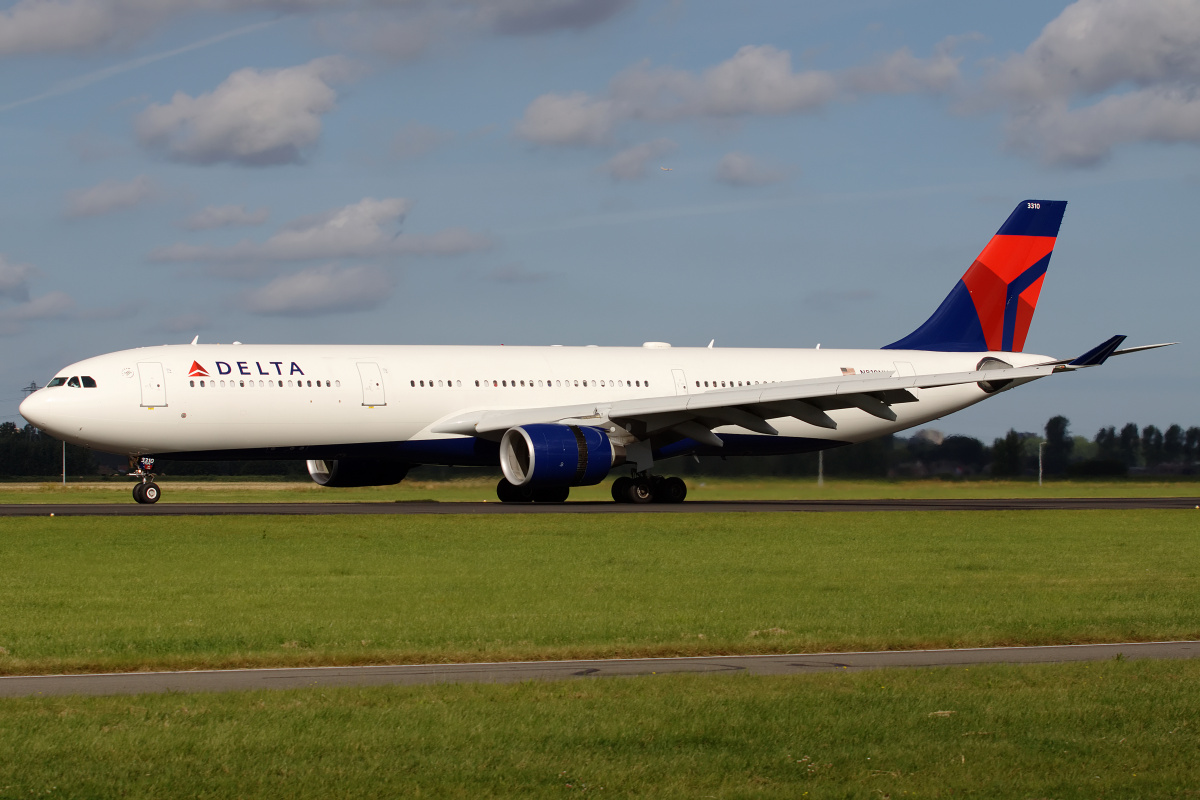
column 1098, row 354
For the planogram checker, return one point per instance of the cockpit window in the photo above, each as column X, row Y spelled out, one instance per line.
column 74, row 382
column 88, row 382
column 56, row 382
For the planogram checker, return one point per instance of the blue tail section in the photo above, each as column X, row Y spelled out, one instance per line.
column 991, row 306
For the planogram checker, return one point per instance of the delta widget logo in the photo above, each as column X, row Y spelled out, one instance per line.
column 198, row 370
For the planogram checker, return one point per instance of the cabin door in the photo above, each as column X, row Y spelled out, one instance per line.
column 680, row 381
column 154, row 386
column 372, row 384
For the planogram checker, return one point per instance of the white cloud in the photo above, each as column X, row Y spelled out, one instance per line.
column 47, row 26
column 108, row 197
column 569, row 119
column 1086, row 136
column 414, row 140
column 361, row 230
column 58, row 26
column 523, row 17
column 224, row 217
column 903, row 73
column 756, row 80
column 739, row 169
column 321, row 290
column 630, row 163
column 54, row 305
column 1097, row 45
column 1136, row 62
column 254, row 118
column 14, row 280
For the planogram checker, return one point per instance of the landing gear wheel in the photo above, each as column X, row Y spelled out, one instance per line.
column 150, row 492
column 674, row 490
column 620, row 489
column 640, row 491
column 552, row 494
column 513, row 494
column 138, row 488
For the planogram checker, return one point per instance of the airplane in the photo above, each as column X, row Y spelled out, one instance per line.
column 556, row 417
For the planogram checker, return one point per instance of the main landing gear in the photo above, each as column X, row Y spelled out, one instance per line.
column 508, row 493
column 145, row 491
column 646, row 488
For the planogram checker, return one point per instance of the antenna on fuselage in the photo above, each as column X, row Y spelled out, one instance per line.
column 196, row 340
column 711, row 343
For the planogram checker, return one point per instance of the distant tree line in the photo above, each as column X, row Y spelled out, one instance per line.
column 26, row 452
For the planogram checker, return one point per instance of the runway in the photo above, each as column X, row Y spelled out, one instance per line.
column 168, row 509
column 515, row 672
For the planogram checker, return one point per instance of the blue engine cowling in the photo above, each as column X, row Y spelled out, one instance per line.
column 556, row 455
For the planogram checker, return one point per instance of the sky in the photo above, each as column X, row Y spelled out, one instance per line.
column 764, row 173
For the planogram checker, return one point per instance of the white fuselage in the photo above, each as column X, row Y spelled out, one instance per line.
column 153, row 400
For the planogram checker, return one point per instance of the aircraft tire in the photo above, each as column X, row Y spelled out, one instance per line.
column 552, row 494
column 513, row 494
column 620, row 489
column 151, row 492
column 640, row 491
column 137, row 493
column 673, row 490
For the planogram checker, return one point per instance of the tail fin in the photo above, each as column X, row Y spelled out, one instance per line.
column 993, row 303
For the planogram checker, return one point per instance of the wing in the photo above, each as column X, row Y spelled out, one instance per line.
column 750, row 407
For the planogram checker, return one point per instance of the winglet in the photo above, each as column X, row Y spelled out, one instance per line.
column 1098, row 354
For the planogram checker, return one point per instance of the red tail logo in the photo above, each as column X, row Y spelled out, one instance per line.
column 197, row 371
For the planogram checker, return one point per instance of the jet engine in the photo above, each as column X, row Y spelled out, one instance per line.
column 357, row 472
column 556, row 455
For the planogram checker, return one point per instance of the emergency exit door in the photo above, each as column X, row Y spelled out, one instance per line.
column 154, row 386
column 681, row 386
column 372, row 384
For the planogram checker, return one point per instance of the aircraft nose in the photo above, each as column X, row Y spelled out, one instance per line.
column 35, row 409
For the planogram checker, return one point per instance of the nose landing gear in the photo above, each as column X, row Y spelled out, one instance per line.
column 145, row 491
column 646, row 488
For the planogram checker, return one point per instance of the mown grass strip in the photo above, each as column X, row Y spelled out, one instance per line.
column 86, row 594
column 1113, row 729
column 476, row 490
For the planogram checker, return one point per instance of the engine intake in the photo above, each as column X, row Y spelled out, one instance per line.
column 345, row 473
column 556, row 455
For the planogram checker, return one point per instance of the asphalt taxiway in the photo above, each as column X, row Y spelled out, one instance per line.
column 169, row 509
column 515, row 672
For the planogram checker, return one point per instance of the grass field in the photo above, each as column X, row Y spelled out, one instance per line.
column 87, row 594
column 183, row 490
column 1112, row 729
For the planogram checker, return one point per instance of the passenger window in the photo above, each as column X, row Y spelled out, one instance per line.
column 192, row 384
column 639, row 384
column 74, row 382
column 56, row 382
column 88, row 382
column 242, row 384
column 337, row 384
column 439, row 383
